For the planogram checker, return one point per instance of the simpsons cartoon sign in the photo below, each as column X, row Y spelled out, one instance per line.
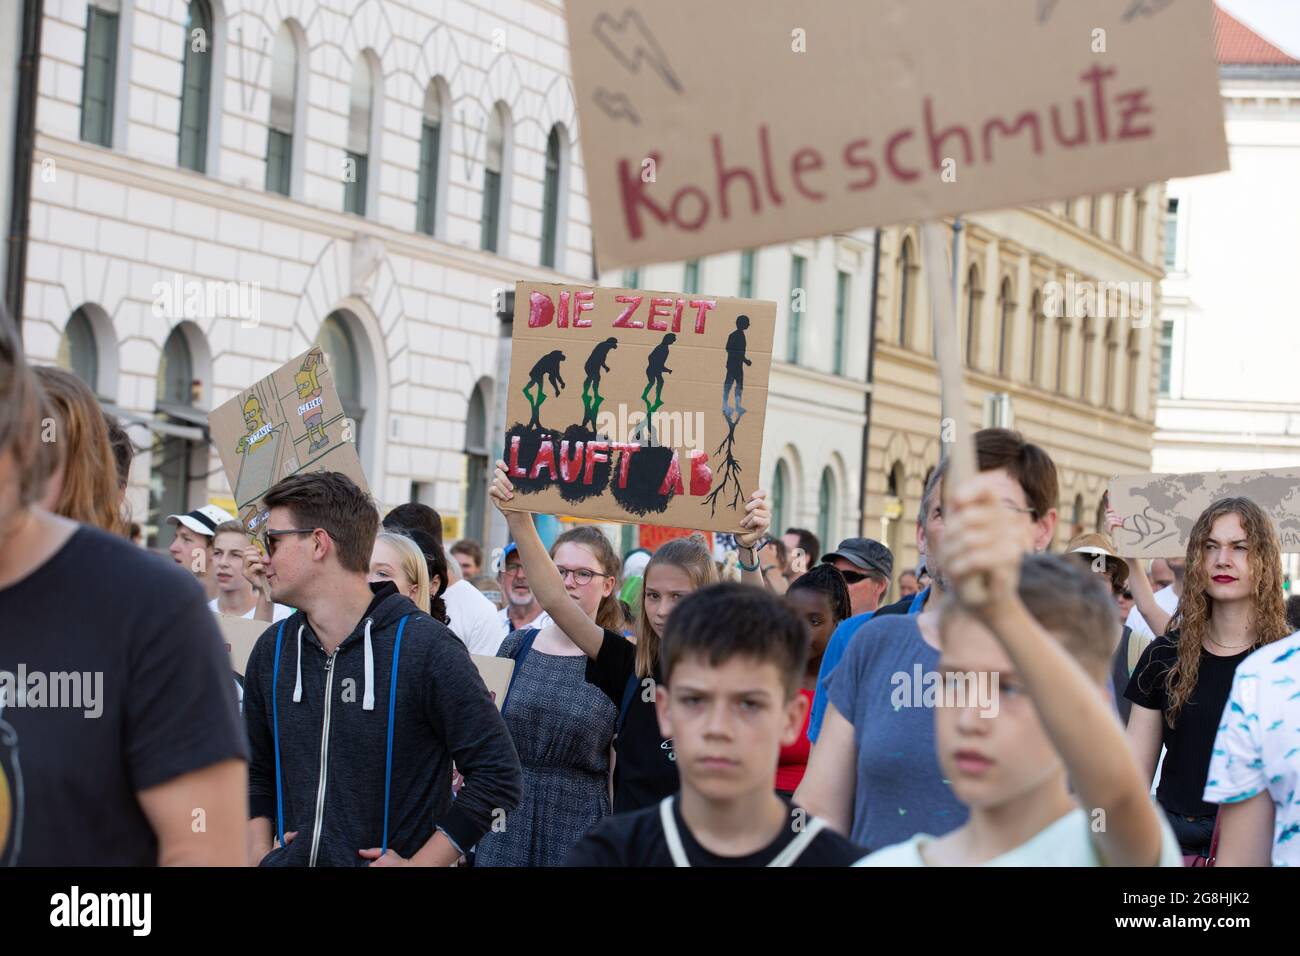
column 288, row 422
column 637, row 406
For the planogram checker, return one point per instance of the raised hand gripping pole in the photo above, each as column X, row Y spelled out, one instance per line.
column 938, row 273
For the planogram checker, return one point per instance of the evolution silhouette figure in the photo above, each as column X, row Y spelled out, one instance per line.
column 736, row 363
column 596, row 362
column 655, row 371
column 548, row 366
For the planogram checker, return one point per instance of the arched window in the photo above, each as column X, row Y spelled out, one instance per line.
column 1112, row 359
column 99, row 75
column 551, row 198
column 476, row 463
column 827, row 523
column 345, row 366
column 431, row 146
column 1064, row 330
column 894, row 508
column 78, row 352
column 972, row 314
column 284, row 106
column 1089, row 343
column 1036, row 327
column 781, row 517
column 495, row 183
column 1134, row 360
column 361, row 104
column 1076, row 516
column 196, row 86
column 169, row 474
column 1006, row 309
column 904, row 282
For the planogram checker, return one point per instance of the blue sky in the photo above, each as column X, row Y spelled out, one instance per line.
column 1277, row 21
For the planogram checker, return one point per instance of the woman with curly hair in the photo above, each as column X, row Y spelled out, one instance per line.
column 1231, row 605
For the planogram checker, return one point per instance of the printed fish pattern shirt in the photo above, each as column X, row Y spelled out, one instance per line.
column 1258, row 745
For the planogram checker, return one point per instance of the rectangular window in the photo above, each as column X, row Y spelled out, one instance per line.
column 279, row 153
column 798, row 296
column 691, row 277
column 427, row 191
column 1171, row 235
column 841, row 317
column 491, row 210
column 747, row 274
column 354, row 190
column 1166, row 357
column 98, row 77
column 631, row 278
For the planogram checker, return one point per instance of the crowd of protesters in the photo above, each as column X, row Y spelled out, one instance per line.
column 681, row 707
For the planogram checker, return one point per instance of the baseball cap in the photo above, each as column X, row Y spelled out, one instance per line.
column 864, row 553
column 203, row 520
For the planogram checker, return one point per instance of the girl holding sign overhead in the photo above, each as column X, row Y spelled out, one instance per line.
column 1231, row 606
column 562, row 727
column 627, row 673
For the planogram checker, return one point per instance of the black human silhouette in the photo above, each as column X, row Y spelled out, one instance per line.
column 656, row 369
column 596, row 362
column 736, row 363
column 548, row 366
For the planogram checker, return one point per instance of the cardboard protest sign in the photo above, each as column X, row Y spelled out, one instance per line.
column 1160, row 510
column 288, row 422
column 634, row 406
column 240, row 634
column 495, row 672
column 722, row 125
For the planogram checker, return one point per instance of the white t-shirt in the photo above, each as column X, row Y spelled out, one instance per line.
column 539, row 622
column 278, row 611
column 1258, row 745
column 1168, row 602
column 1067, row 842
column 473, row 618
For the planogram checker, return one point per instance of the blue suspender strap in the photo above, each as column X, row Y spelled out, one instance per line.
column 392, row 704
column 275, row 735
column 629, row 692
column 918, row 601
column 525, row 646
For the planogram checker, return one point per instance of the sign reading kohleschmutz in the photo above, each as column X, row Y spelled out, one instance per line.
column 637, row 406
column 710, row 125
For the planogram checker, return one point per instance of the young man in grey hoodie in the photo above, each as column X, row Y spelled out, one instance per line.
column 357, row 705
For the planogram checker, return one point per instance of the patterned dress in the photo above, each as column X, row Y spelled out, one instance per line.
column 562, row 728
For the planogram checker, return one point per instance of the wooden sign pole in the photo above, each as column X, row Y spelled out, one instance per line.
column 960, row 450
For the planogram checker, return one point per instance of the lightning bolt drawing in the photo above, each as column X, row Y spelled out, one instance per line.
column 616, row 105
column 631, row 42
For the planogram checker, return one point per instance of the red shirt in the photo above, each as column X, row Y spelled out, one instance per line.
column 794, row 759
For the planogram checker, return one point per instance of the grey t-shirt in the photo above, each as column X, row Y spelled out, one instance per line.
column 900, row 787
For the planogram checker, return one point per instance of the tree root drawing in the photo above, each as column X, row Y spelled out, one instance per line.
column 729, row 473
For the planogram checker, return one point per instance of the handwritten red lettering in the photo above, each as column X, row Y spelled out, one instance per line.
column 569, row 467
column 851, row 160
column 1134, row 104
column 807, row 160
column 540, row 309
column 515, row 470
column 597, row 454
column 658, row 309
column 545, row 459
column 701, row 475
column 583, row 301
column 672, row 483
column 702, row 308
column 624, row 320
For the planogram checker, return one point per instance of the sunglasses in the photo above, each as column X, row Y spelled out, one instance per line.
column 854, row 577
column 268, row 537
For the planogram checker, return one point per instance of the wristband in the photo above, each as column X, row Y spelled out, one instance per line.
column 744, row 566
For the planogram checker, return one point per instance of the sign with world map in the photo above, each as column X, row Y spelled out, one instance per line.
column 1160, row 510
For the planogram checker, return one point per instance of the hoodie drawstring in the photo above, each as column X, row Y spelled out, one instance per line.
column 392, row 702
column 297, row 684
column 275, row 735
column 368, row 699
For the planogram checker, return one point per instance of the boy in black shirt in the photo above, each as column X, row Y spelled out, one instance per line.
column 732, row 657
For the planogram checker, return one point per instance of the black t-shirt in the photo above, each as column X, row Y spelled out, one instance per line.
column 638, row 839
column 124, row 643
column 1189, row 742
column 646, row 769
